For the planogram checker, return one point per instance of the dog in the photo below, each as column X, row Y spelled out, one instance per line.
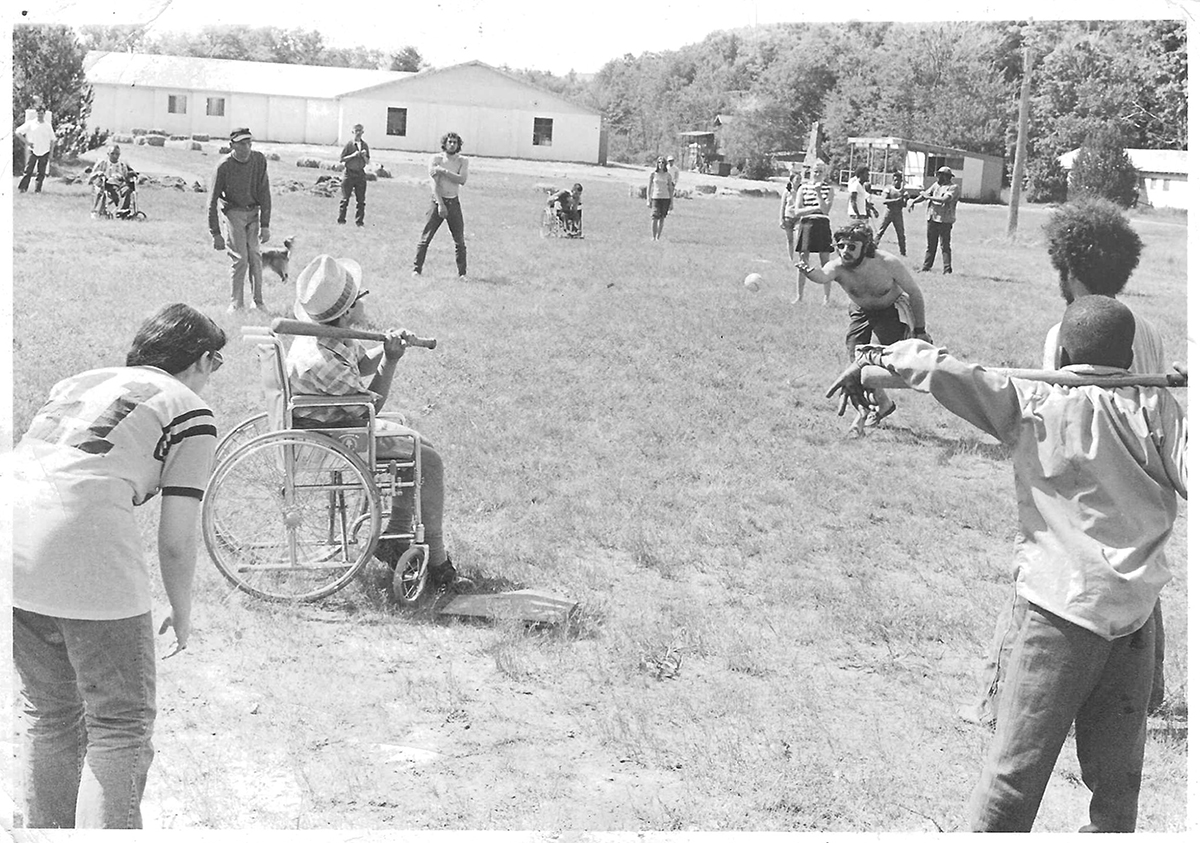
column 277, row 259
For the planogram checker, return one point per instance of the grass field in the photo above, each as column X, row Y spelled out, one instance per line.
column 623, row 423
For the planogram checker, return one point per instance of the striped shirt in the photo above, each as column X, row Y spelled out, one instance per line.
column 107, row 441
column 814, row 194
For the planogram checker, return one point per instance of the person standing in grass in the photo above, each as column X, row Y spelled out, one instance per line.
column 660, row 191
column 1098, row 470
column 811, row 205
column 942, row 197
column 106, row 442
column 858, row 203
column 447, row 173
column 38, row 136
column 243, row 191
column 355, row 156
column 1094, row 250
column 893, row 214
column 885, row 301
column 329, row 291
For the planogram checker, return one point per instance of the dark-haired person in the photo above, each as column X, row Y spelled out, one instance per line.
column 243, row 191
column 893, row 214
column 942, row 197
column 107, row 441
column 38, row 137
column 660, row 193
column 858, row 202
column 1094, row 250
column 885, row 301
column 1097, row 472
column 568, row 205
column 447, row 173
column 355, row 156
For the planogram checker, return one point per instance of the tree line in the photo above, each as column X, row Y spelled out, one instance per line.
column 955, row 84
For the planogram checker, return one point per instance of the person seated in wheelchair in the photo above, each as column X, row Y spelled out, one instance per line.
column 329, row 291
column 114, row 182
column 568, row 205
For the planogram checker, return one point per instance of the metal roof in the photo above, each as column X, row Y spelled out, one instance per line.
column 223, row 75
column 919, row 146
column 1168, row 161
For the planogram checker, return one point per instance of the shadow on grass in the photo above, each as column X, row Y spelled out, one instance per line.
column 953, row 447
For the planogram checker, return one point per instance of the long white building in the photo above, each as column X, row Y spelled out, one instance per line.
column 497, row 114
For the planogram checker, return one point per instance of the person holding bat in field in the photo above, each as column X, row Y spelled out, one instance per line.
column 884, row 300
column 1098, row 469
column 329, row 292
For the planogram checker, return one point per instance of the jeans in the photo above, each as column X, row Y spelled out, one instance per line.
column 40, row 162
column 433, row 497
column 242, row 246
column 88, row 693
column 433, row 221
column 355, row 183
column 935, row 231
column 1058, row 674
column 895, row 218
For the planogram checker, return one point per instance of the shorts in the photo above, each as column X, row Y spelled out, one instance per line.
column 815, row 235
column 659, row 208
column 886, row 324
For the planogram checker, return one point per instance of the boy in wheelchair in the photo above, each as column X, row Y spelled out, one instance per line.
column 329, row 291
column 113, row 181
column 568, row 206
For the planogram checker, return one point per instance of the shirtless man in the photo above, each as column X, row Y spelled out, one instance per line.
column 884, row 300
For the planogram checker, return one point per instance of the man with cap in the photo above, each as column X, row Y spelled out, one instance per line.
column 329, row 291
column 943, row 200
column 355, row 156
column 243, row 190
column 674, row 172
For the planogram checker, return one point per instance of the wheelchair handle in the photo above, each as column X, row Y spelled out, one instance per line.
column 315, row 329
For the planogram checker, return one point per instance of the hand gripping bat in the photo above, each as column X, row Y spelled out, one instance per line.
column 316, row 329
column 876, row 377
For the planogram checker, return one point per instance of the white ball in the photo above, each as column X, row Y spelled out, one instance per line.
column 753, row 282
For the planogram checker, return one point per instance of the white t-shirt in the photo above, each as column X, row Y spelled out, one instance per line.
column 39, row 136
column 858, row 192
column 107, row 440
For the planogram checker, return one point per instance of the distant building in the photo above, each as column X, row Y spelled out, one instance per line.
column 1162, row 175
column 704, row 150
column 497, row 114
column 981, row 175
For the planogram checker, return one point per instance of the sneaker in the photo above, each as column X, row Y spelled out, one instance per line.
column 875, row 416
column 257, row 305
column 95, row 215
column 445, row 577
column 416, row 273
column 341, row 222
column 359, row 224
column 947, row 271
column 234, row 307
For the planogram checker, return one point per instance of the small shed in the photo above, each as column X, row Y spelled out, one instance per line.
column 981, row 175
column 1163, row 175
column 703, row 151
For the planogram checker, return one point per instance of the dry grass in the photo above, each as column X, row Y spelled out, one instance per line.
column 777, row 621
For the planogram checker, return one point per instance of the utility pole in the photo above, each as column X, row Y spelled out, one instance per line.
column 1018, row 173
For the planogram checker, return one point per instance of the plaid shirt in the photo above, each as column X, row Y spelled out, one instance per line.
column 326, row 366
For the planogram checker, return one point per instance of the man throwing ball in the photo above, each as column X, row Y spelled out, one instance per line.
column 884, row 301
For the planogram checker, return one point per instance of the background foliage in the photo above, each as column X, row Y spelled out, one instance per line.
column 950, row 83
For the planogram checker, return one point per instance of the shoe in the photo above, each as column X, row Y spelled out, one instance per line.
column 445, row 577
column 875, row 416
column 463, row 277
column 359, row 224
column 341, row 222
column 923, row 269
column 234, row 307
column 257, row 305
column 416, row 273
column 947, row 271
column 95, row 215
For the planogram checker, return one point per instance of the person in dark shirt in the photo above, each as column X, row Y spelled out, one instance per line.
column 355, row 156
column 243, row 191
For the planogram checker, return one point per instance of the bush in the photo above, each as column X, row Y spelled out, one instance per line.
column 1102, row 168
column 758, row 167
column 1045, row 181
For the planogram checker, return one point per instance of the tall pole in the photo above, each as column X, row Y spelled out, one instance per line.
column 1018, row 174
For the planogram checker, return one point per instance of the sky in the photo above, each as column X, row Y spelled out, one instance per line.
column 543, row 34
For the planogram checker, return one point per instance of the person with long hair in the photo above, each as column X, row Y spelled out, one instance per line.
column 659, row 193
column 447, row 173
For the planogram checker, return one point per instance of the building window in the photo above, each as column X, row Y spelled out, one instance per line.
column 397, row 121
column 176, row 104
column 543, row 131
column 216, row 107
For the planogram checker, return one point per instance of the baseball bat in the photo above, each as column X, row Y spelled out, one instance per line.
column 300, row 328
column 877, row 377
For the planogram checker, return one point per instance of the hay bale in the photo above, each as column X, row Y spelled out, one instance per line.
column 708, row 189
column 156, row 140
column 382, row 172
column 272, row 156
column 178, row 137
column 638, row 191
column 369, row 176
column 122, row 138
column 201, row 137
column 542, row 187
column 137, row 132
column 758, row 192
column 308, row 162
column 683, row 193
column 336, row 166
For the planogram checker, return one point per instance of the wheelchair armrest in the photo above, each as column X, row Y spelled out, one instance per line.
column 356, row 400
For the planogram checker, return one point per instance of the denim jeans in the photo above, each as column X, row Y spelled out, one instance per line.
column 433, row 221
column 34, row 162
column 1059, row 673
column 244, row 250
column 88, row 693
column 935, row 231
column 895, row 218
column 353, row 183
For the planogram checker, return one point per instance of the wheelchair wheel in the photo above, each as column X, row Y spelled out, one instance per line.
column 411, row 575
column 245, row 431
column 291, row 516
column 549, row 222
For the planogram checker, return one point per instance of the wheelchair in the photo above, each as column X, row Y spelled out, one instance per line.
column 294, row 515
column 556, row 223
column 120, row 201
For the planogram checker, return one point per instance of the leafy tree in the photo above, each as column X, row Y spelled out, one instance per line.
column 407, row 59
column 1102, row 168
column 48, row 68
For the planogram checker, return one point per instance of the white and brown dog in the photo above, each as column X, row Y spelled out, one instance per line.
column 277, row 259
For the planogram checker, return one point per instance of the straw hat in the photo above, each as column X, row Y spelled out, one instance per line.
column 327, row 288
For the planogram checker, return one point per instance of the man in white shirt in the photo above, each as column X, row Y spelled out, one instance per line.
column 38, row 137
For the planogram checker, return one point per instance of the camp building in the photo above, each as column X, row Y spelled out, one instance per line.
column 497, row 114
column 1162, row 175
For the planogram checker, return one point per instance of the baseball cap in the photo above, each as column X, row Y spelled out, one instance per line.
column 670, row 157
column 945, row 170
column 239, row 135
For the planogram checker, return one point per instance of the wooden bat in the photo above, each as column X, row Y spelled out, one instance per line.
column 300, row 328
column 877, row 377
